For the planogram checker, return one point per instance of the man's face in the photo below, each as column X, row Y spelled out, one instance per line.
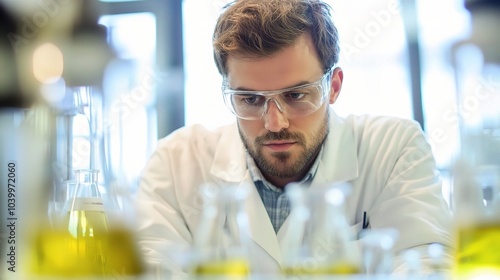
column 283, row 148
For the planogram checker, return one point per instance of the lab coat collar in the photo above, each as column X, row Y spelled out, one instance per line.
column 339, row 162
column 229, row 160
column 261, row 230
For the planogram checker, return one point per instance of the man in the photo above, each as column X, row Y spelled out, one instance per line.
column 277, row 59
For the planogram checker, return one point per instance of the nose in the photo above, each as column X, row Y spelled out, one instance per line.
column 274, row 119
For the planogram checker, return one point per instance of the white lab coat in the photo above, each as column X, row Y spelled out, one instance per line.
column 386, row 160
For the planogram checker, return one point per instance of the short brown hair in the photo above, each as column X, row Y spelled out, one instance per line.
column 260, row 28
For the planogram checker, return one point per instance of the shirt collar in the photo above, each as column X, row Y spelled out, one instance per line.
column 256, row 174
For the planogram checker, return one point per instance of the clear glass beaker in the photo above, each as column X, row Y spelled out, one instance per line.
column 378, row 255
column 221, row 242
column 323, row 242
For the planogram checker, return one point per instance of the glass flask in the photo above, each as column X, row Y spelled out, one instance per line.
column 221, row 242
column 76, row 244
column 87, row 222
column 85, row 243
column 377, row 252
column 322, row 243
column 476, row 171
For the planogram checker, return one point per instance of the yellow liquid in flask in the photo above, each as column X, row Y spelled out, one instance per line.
column 86, row 247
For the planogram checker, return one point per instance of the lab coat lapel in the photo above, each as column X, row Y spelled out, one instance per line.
column 261, row 229
column 229, row 166
column 229, row 159
column 339, row 162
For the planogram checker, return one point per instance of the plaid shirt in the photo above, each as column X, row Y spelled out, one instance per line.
column 275, row 199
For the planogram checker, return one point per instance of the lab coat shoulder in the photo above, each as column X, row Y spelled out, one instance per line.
column 365, row 147
column 194, row 140
column 394, row 150
column 185, row 151
column 398, row 184
column 196, row 148
column 186, row 160
column 169, row 202
column 383, row 130
column 384, row 142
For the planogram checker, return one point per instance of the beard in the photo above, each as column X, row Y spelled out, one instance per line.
column 281, row 164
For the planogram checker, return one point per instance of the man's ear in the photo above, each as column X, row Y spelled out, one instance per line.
column 336, row 84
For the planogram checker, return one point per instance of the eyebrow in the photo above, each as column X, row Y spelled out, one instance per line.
column 295, row 85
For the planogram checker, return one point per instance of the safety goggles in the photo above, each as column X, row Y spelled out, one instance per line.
column 294, row 101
